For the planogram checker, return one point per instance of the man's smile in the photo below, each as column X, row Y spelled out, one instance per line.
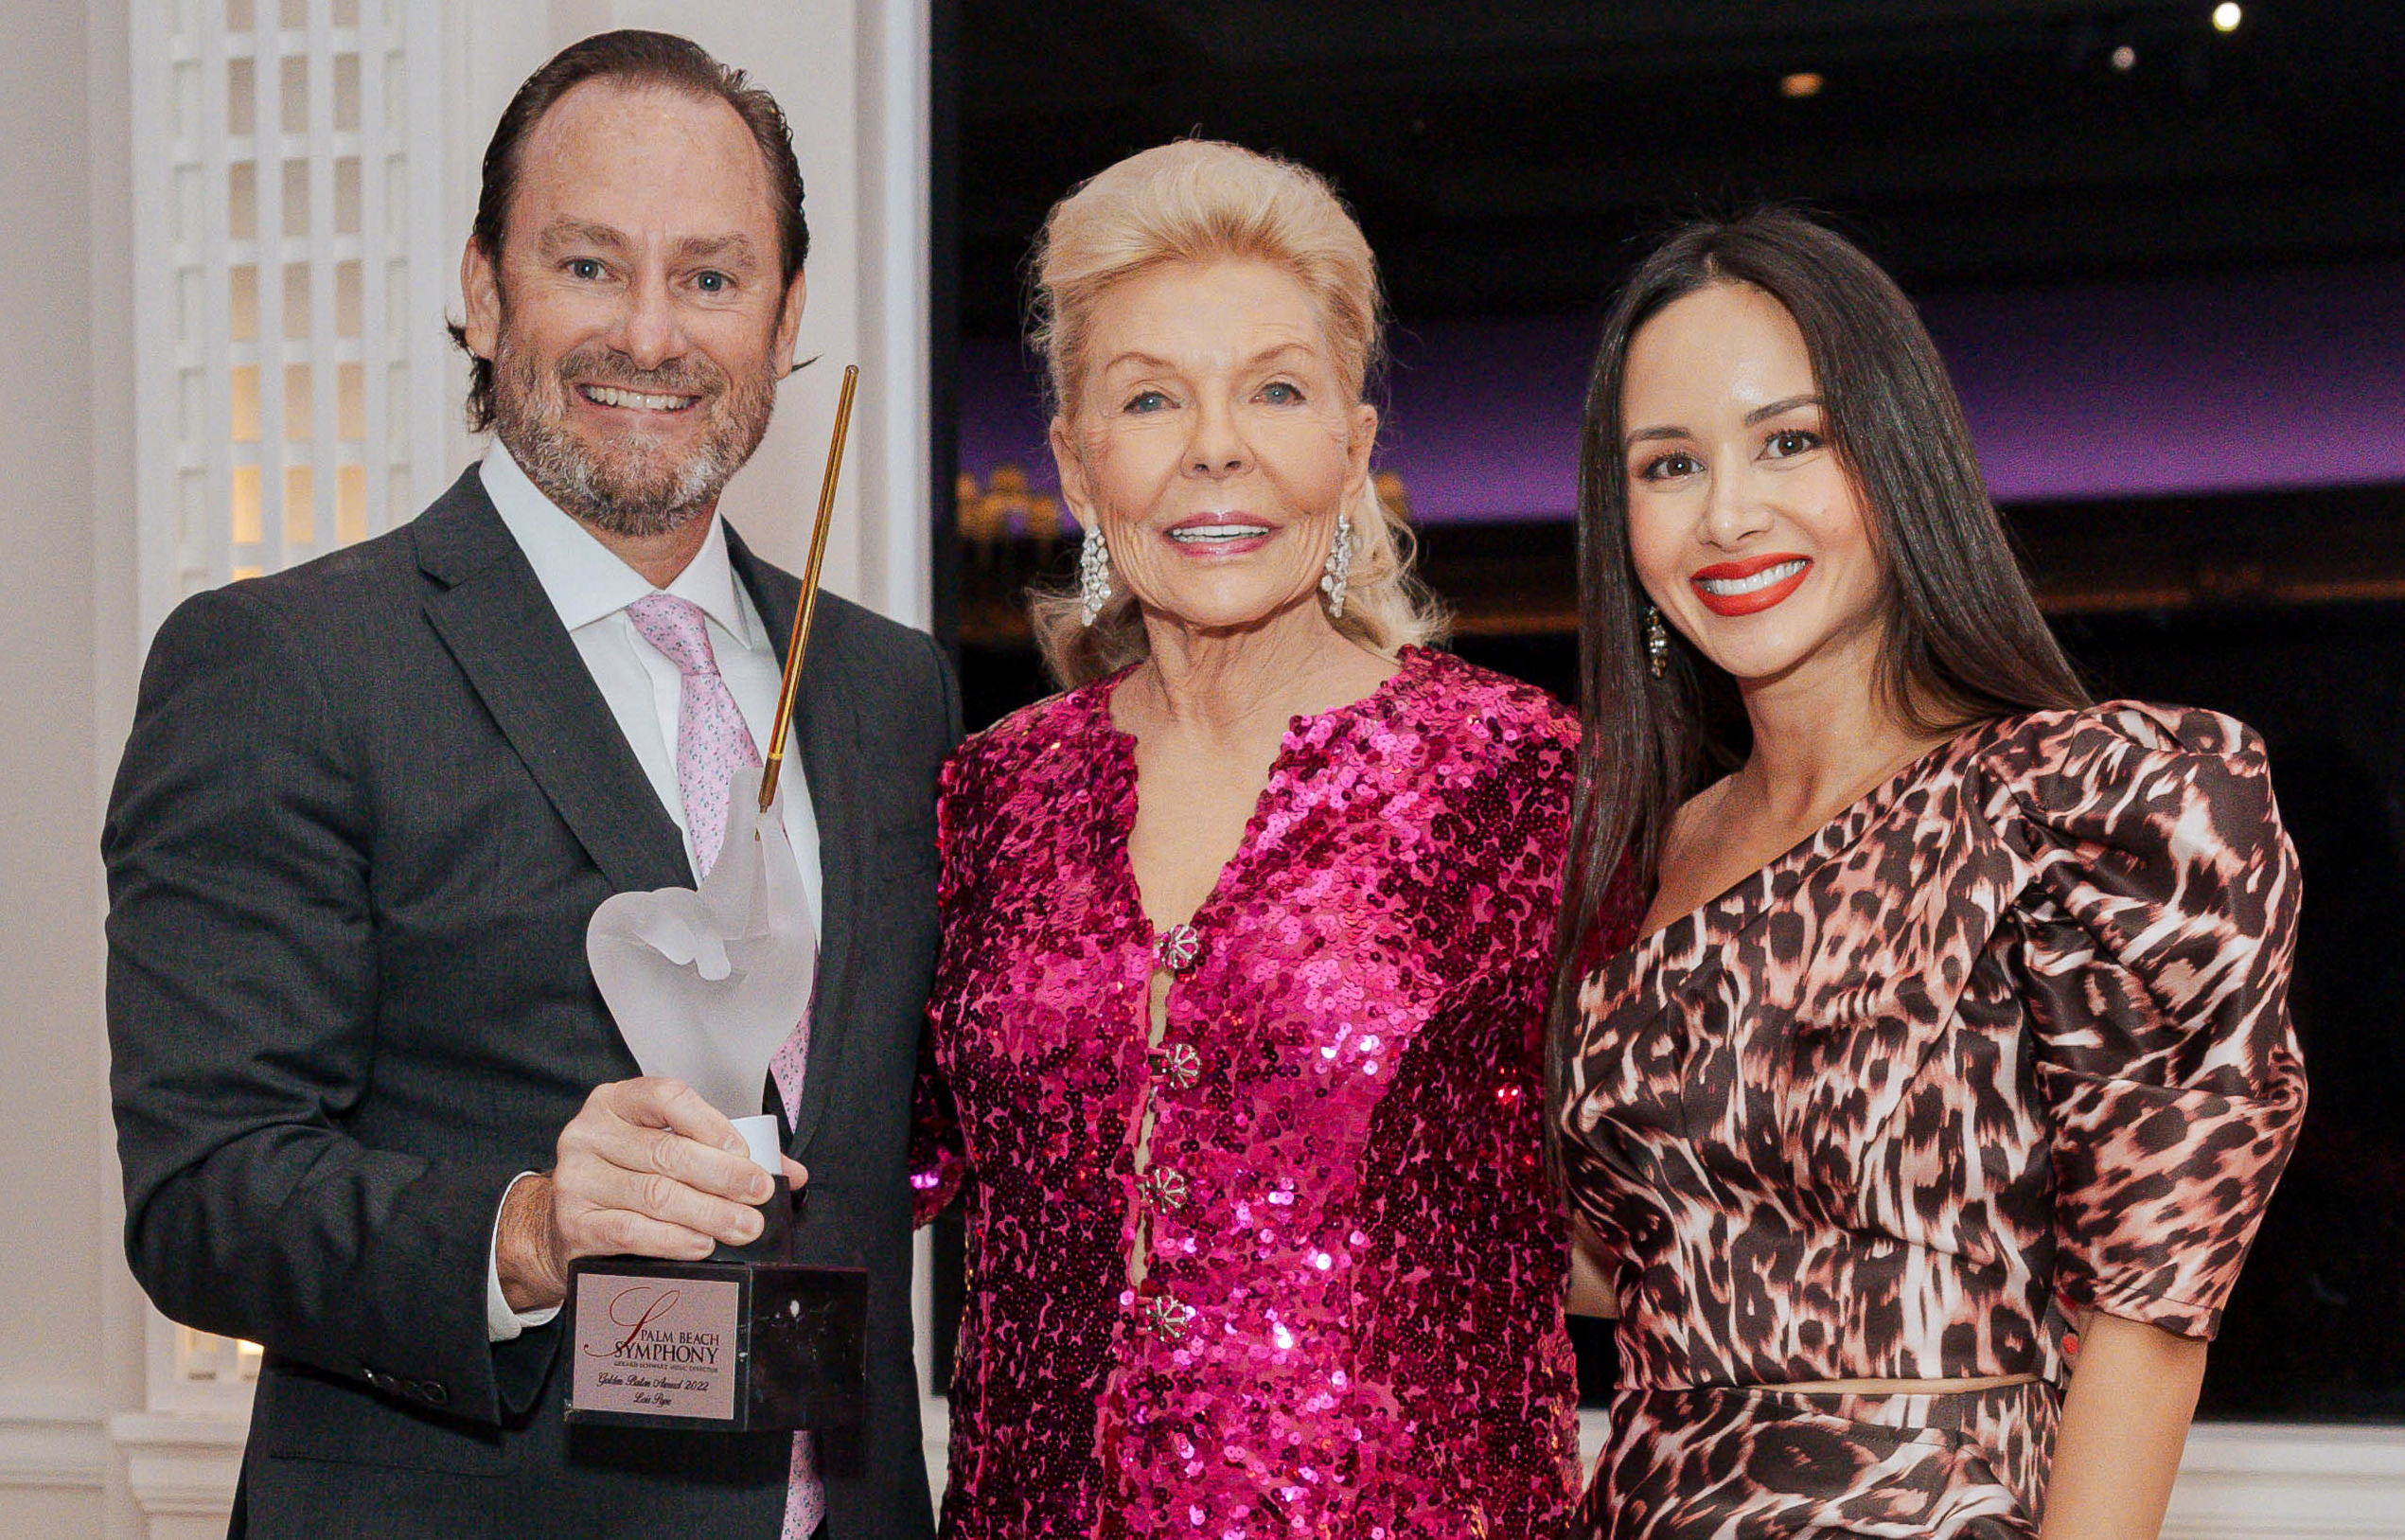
column 635, row 401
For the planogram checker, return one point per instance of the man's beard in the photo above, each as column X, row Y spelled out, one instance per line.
column 628, row 487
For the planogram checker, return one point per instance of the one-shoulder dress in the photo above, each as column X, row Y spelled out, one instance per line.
column 2006, row 1040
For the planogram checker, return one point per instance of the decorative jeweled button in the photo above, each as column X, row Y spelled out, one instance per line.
column 1180, row 947
column 1178, row 1066
column 1163, row 1315
column 1164, row 1189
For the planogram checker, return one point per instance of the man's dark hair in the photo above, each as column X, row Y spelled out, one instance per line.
column 628, row 58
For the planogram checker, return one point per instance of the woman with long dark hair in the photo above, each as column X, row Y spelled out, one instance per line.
column 1921, row 1135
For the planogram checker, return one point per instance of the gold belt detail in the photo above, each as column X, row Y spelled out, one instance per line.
column 1960, row 1387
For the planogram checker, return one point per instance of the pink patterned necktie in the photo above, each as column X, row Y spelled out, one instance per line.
column 712, row 744
column 711, row 741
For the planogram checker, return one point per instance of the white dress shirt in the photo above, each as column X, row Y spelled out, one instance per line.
column 591, row 588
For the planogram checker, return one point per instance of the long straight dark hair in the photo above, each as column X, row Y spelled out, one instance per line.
column 1965, row 641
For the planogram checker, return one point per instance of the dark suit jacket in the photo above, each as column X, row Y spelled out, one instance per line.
column 366, row 810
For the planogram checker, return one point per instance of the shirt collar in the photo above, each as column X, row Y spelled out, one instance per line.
column 585, row 581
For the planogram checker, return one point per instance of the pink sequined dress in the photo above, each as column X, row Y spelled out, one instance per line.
column 1350, row 1318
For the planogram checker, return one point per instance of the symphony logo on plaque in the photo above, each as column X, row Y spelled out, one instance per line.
column 677, row 1355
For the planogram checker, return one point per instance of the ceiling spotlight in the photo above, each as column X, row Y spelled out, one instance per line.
column 1804, row 82
column 2227, row 15
column 2124, row 59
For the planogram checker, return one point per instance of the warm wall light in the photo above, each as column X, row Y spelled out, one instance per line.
column 2124, row 59
column 2227, row 15
column 1804, row 82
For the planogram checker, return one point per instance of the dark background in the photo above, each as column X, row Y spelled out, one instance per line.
column 1508, row 159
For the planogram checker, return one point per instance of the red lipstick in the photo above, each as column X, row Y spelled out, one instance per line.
column 1749, row 599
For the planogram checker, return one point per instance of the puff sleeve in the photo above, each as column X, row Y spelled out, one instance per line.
column 2157, row 928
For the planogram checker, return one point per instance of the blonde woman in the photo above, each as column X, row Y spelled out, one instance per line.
column 1246, row 941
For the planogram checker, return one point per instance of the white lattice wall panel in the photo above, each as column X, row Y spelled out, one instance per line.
column 289, row 280
column 289, row 274
column 198, row 1371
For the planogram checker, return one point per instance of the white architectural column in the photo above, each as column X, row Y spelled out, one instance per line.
column 56, row 1213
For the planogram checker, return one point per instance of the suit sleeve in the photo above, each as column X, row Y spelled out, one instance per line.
column 243, row 1008
column 947, row 686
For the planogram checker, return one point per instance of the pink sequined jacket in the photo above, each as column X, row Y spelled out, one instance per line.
column 1350, row 1318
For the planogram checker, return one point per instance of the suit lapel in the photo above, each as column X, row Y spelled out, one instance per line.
column 826, row 734
column 491, row 612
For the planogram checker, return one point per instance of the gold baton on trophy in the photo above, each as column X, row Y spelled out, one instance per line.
column 789, row 690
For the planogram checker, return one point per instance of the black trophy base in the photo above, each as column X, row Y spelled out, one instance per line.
column 734, row 1347
column 744, row 1342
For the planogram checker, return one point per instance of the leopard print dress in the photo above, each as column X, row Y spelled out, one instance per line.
column 2006, row 1040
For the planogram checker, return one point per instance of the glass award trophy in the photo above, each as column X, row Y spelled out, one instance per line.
column 704, row 984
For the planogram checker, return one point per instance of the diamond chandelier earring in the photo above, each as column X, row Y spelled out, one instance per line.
column 1093, row 576
column 1339, row 566
column 1658, row 643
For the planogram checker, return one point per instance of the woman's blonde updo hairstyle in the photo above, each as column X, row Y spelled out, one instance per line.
column 1199, row 201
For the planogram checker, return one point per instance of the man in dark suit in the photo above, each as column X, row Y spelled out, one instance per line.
column 369, row 1102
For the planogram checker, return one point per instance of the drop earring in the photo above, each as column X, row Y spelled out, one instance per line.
column 1658, row 643
column 1093, row 576
column 1339, row 566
